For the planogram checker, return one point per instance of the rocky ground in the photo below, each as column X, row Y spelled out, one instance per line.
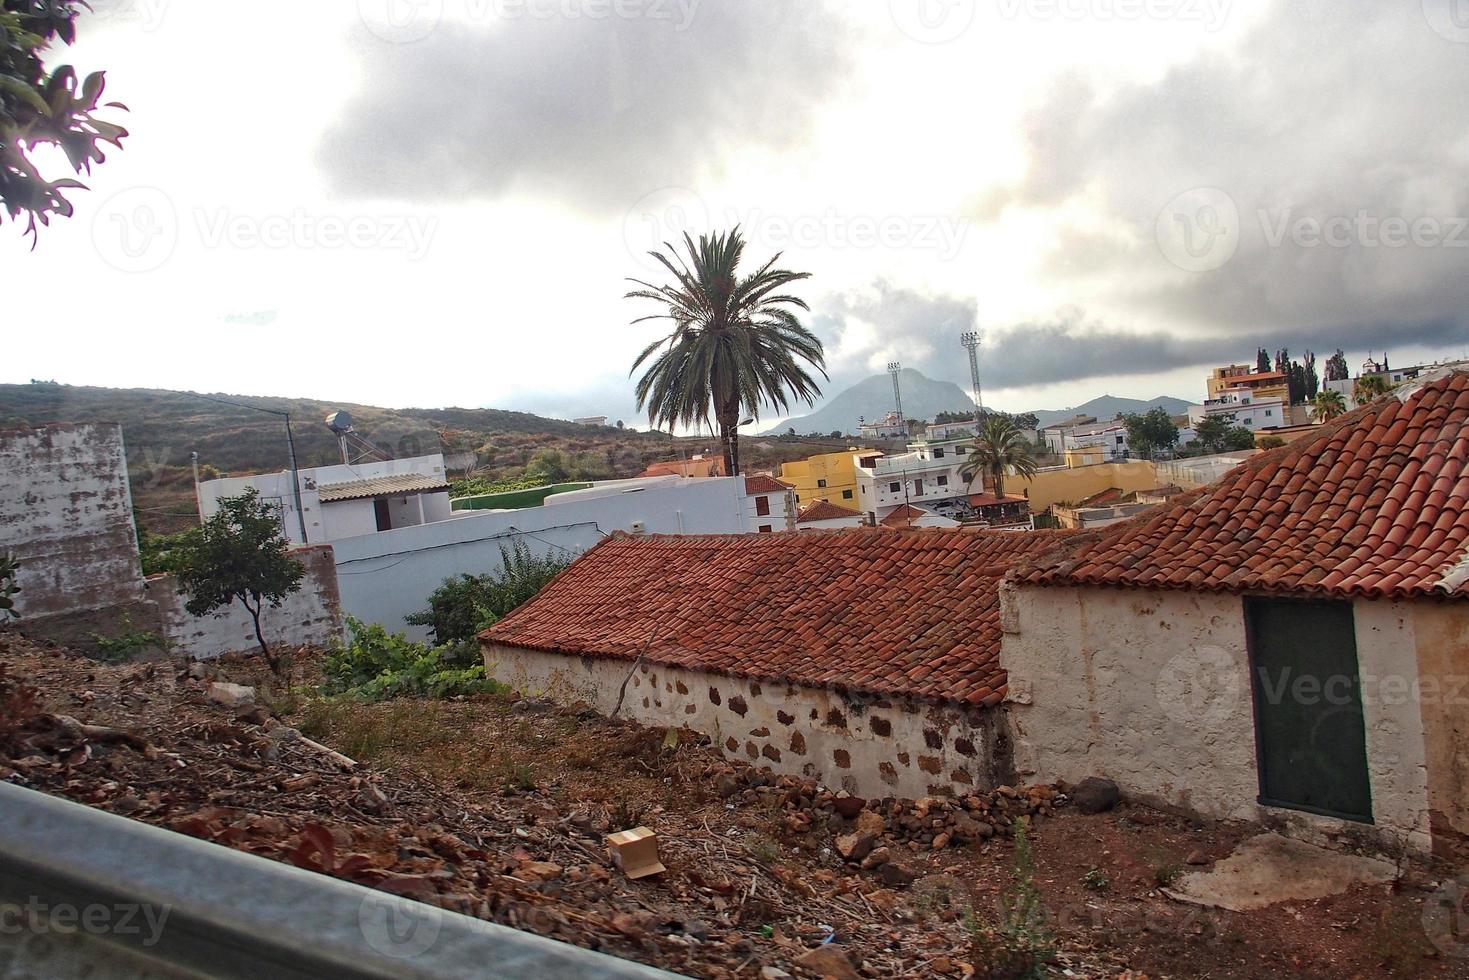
column 498, row 807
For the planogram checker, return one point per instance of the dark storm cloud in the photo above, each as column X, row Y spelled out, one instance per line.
column 922, row 331
column 597, row 111
column 1327, row 115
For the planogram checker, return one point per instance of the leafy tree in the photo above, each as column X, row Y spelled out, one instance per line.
column 999, row 448
column 1150, row 432
column 239, row 555
column 1238, row 437
column 548, row 466
column 1262, row 360
column 736, row 342
column 1327, row 405
column 9, row 568
column 1370, row 388
column 40, row 106
column 1210, row 432
column 375, row 665
column 462, row 606
column 1270, row 442
column 1336, row 366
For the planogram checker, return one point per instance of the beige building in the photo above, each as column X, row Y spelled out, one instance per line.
column 1289, row 646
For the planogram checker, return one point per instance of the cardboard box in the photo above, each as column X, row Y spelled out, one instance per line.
column 635, row 852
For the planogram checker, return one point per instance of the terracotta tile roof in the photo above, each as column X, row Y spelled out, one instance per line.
column 382, row 486
column 862, row 610
column 1375, row 503
column 990, row 500
column 756, row 483
column 824, row 510
column 903, row 515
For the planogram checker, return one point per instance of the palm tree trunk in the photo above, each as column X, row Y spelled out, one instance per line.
column 997, row 475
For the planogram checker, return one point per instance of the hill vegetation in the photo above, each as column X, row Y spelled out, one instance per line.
column 489, row 447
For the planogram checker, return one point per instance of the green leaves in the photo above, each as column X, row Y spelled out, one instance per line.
column 376, row 665
column 38, row 107
column 8, row 587
column 999, row 447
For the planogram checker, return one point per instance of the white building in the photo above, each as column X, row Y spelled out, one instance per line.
column 346, row 500
column 890, row 427
column 1109, row 436
column 926, row 475
column 770, row 504
column 1054, row 435
column 1244, row 407
column 1347, row 387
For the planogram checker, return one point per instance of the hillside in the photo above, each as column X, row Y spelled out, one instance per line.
column 161, row 428
column 1108, row 406
column 872, row 398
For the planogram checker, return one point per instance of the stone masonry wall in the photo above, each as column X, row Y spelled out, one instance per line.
column 66, row 514
column 870, row 747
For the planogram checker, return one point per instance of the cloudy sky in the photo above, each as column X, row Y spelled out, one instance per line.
column 429, row 202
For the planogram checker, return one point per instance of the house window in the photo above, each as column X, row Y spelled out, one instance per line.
column 762, row 506
column 894, row 487
column 846, row 495
column 943, row 481
column 766, row 529
column 918, row 488
column 1269, row 411
column 821, row 483
column 938, row 454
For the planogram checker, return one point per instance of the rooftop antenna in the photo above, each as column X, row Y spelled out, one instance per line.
column 971, row 340
column 894, row 368
column 349, row 441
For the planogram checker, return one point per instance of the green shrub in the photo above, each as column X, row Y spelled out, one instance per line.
column 127, row 644
column 463, row 606
column 8, row 568
column 1019, row 944
column 376, row 665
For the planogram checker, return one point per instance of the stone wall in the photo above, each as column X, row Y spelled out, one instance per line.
column 66, row 514
column 311, row 616
column 871, row 747
column 1152, row 689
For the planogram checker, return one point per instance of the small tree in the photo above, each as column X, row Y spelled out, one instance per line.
column 1327, row 405
column 1370, row 388
column 239, row 554
column 1151, row 432
column 1238, row 437
column 999, row 448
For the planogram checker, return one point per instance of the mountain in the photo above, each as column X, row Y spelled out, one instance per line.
column 923, row 398
column 1108, row 407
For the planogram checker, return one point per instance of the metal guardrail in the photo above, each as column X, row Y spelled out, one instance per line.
column 88, row 893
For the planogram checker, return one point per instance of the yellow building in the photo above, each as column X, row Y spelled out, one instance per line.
column 1060, row 484
column 1263, row 384
column 828, row 476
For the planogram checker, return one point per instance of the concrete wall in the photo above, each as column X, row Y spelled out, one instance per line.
column 1152, row 689
column 1074, row 484
column 386, row 575
column 66, row 514
column 311, row 616
column 872, row 747
column 1441, row 645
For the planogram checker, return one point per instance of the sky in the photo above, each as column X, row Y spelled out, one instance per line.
column 440, row 202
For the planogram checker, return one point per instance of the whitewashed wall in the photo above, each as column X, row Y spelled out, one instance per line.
column 1152, row 689
column 871, row 747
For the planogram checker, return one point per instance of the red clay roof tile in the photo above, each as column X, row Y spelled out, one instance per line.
column 824, row 510
column 761, row 483
column 863, row 610
column 1376, row 508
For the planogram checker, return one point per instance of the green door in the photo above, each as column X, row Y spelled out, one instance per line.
column 1309, row 735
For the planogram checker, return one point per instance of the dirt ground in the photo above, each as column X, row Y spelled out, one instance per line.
column 497, row 807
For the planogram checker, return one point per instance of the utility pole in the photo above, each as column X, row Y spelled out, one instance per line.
column 894, row 368
column 971, row 339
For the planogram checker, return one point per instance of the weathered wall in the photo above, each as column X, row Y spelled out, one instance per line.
column 1441, row 632
column 66, row 513
column 311, row 616
column 869, row 746
column 1152, row 689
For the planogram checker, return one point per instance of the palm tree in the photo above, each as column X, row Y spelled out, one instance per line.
column 736, row 341
column 1370, row 388
column 999, row 448
column 1327, row 405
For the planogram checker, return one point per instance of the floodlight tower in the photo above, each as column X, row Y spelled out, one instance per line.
column 894, row 368
column 971, row 340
